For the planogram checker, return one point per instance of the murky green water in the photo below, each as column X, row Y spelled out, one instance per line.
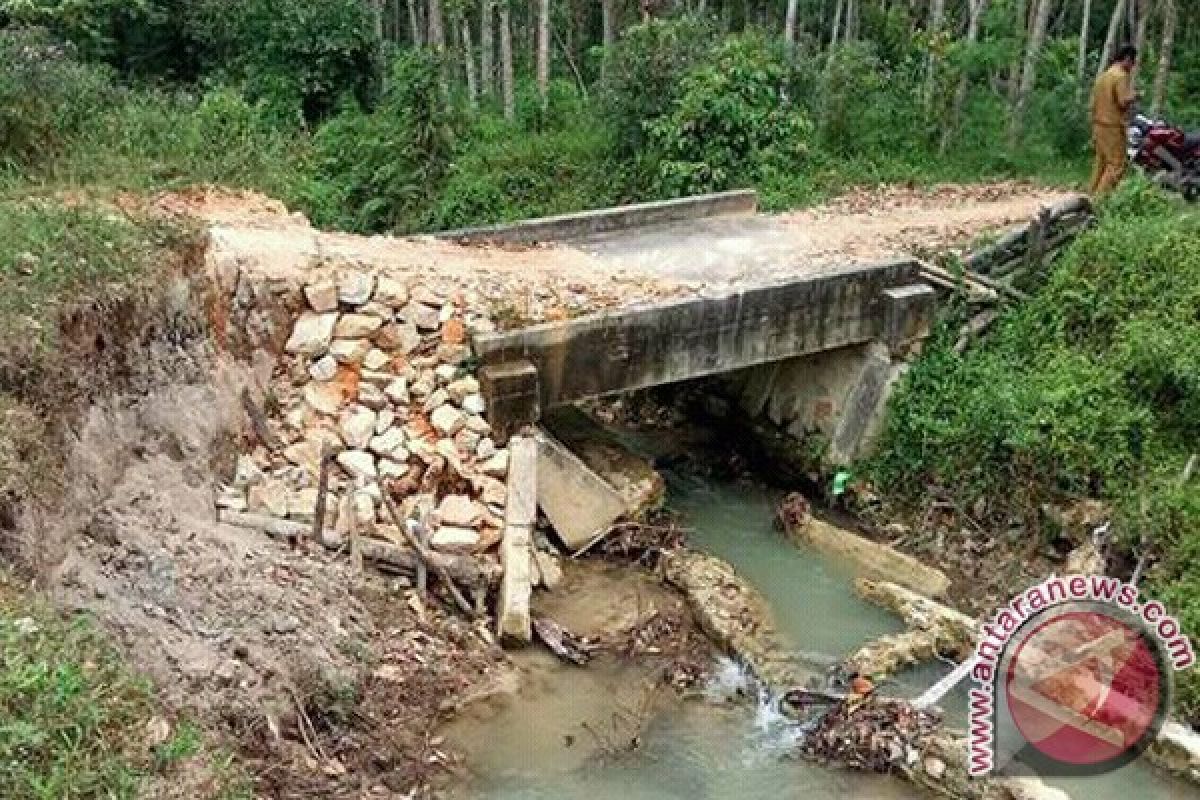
column 560, row 737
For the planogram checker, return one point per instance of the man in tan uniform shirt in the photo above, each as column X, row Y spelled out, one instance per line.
column 1112, row 97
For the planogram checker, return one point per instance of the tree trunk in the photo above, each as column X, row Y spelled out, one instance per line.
column 414, row 24
column 609, row 33
column 1170, row 19
column 469, row 63
column 437, row 32
column 487, row 49
column 1143, row 25
column 789, row 25
column 837, row 27
column 974, row 19
column 1081, row 66
column 1029, row 72
column 937, row 12
column 543, row 52
column 1110, row 39
column 506, row 63
column 1014, row 68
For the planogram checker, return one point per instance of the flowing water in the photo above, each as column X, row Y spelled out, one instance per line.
column 570, row 733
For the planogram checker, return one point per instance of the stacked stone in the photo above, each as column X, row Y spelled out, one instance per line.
column 377, row 375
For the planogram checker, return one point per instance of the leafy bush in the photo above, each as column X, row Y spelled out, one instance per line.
column 381, row 171
column 298, row 56
column 1091, row 388
column 506, row 175
column 45, row 95
column 731, row 119
column 642, row 77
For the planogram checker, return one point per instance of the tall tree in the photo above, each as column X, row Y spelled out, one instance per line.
column 1081, row 65
column 975, row 9
column 468, row 52
column 937, row 12
column 1139, row 37
column 789, row 24
column 414, row 25
column 1014, row 67
column 608, row 26
column 543, row 51
column 1110, row 39
column 1033, row 53
column 506, row 62
column 1170, row 18
column 437, row 31
column 487, row 48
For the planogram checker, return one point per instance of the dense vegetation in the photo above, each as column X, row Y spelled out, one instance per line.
column 375, row 115
column 1090, row 389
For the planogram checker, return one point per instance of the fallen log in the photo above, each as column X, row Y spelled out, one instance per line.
column 394, row 558
column 869, row 559
column 974, row 327
column 265, row 523
column 426, row 557
column 933, row 630
column 560, row 641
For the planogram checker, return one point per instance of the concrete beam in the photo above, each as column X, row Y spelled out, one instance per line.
column 513, row 621
column 567, row 227
column 699, row 336
column 580, row 504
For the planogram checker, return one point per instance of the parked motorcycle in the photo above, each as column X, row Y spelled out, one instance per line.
column 1168, row 155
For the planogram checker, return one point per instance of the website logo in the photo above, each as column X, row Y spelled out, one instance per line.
column 1074, row 676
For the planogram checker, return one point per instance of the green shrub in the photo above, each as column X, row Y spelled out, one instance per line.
column 45, row 95
column 381, row 171
column 732, row 120
column 1089, row 389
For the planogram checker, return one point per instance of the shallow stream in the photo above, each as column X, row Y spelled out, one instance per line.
column 566, row 733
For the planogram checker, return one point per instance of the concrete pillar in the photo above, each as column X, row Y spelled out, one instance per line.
column 513, row 621
column 908, row 314
column 511, row 392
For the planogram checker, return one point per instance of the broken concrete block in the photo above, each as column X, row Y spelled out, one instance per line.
column 359, row 463
column 349, row 351
column 376, row 359
column 398, row 337
column 270, row 497
column 324, row 397
column 422, row 316
column 474, row 404
column 386, row 443
column 323, row 369
column 311, row 334
column 459, row 511
column 550, row 574
column 461, row 388
column 391, row 292
column 579, row 503
column 452, row 538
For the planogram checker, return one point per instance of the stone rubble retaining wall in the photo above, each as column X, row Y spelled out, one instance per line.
column 376, row 373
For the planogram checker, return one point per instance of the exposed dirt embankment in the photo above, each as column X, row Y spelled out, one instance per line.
column 325, row 679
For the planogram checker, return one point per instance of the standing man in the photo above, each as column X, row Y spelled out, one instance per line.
column 1112, row 97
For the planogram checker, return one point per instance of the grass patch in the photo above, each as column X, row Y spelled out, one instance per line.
column 76, row 722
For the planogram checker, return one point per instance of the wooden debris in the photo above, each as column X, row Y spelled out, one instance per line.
column 560, row 641
column 425, row 557
column 272, row 526
column 258, row 421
